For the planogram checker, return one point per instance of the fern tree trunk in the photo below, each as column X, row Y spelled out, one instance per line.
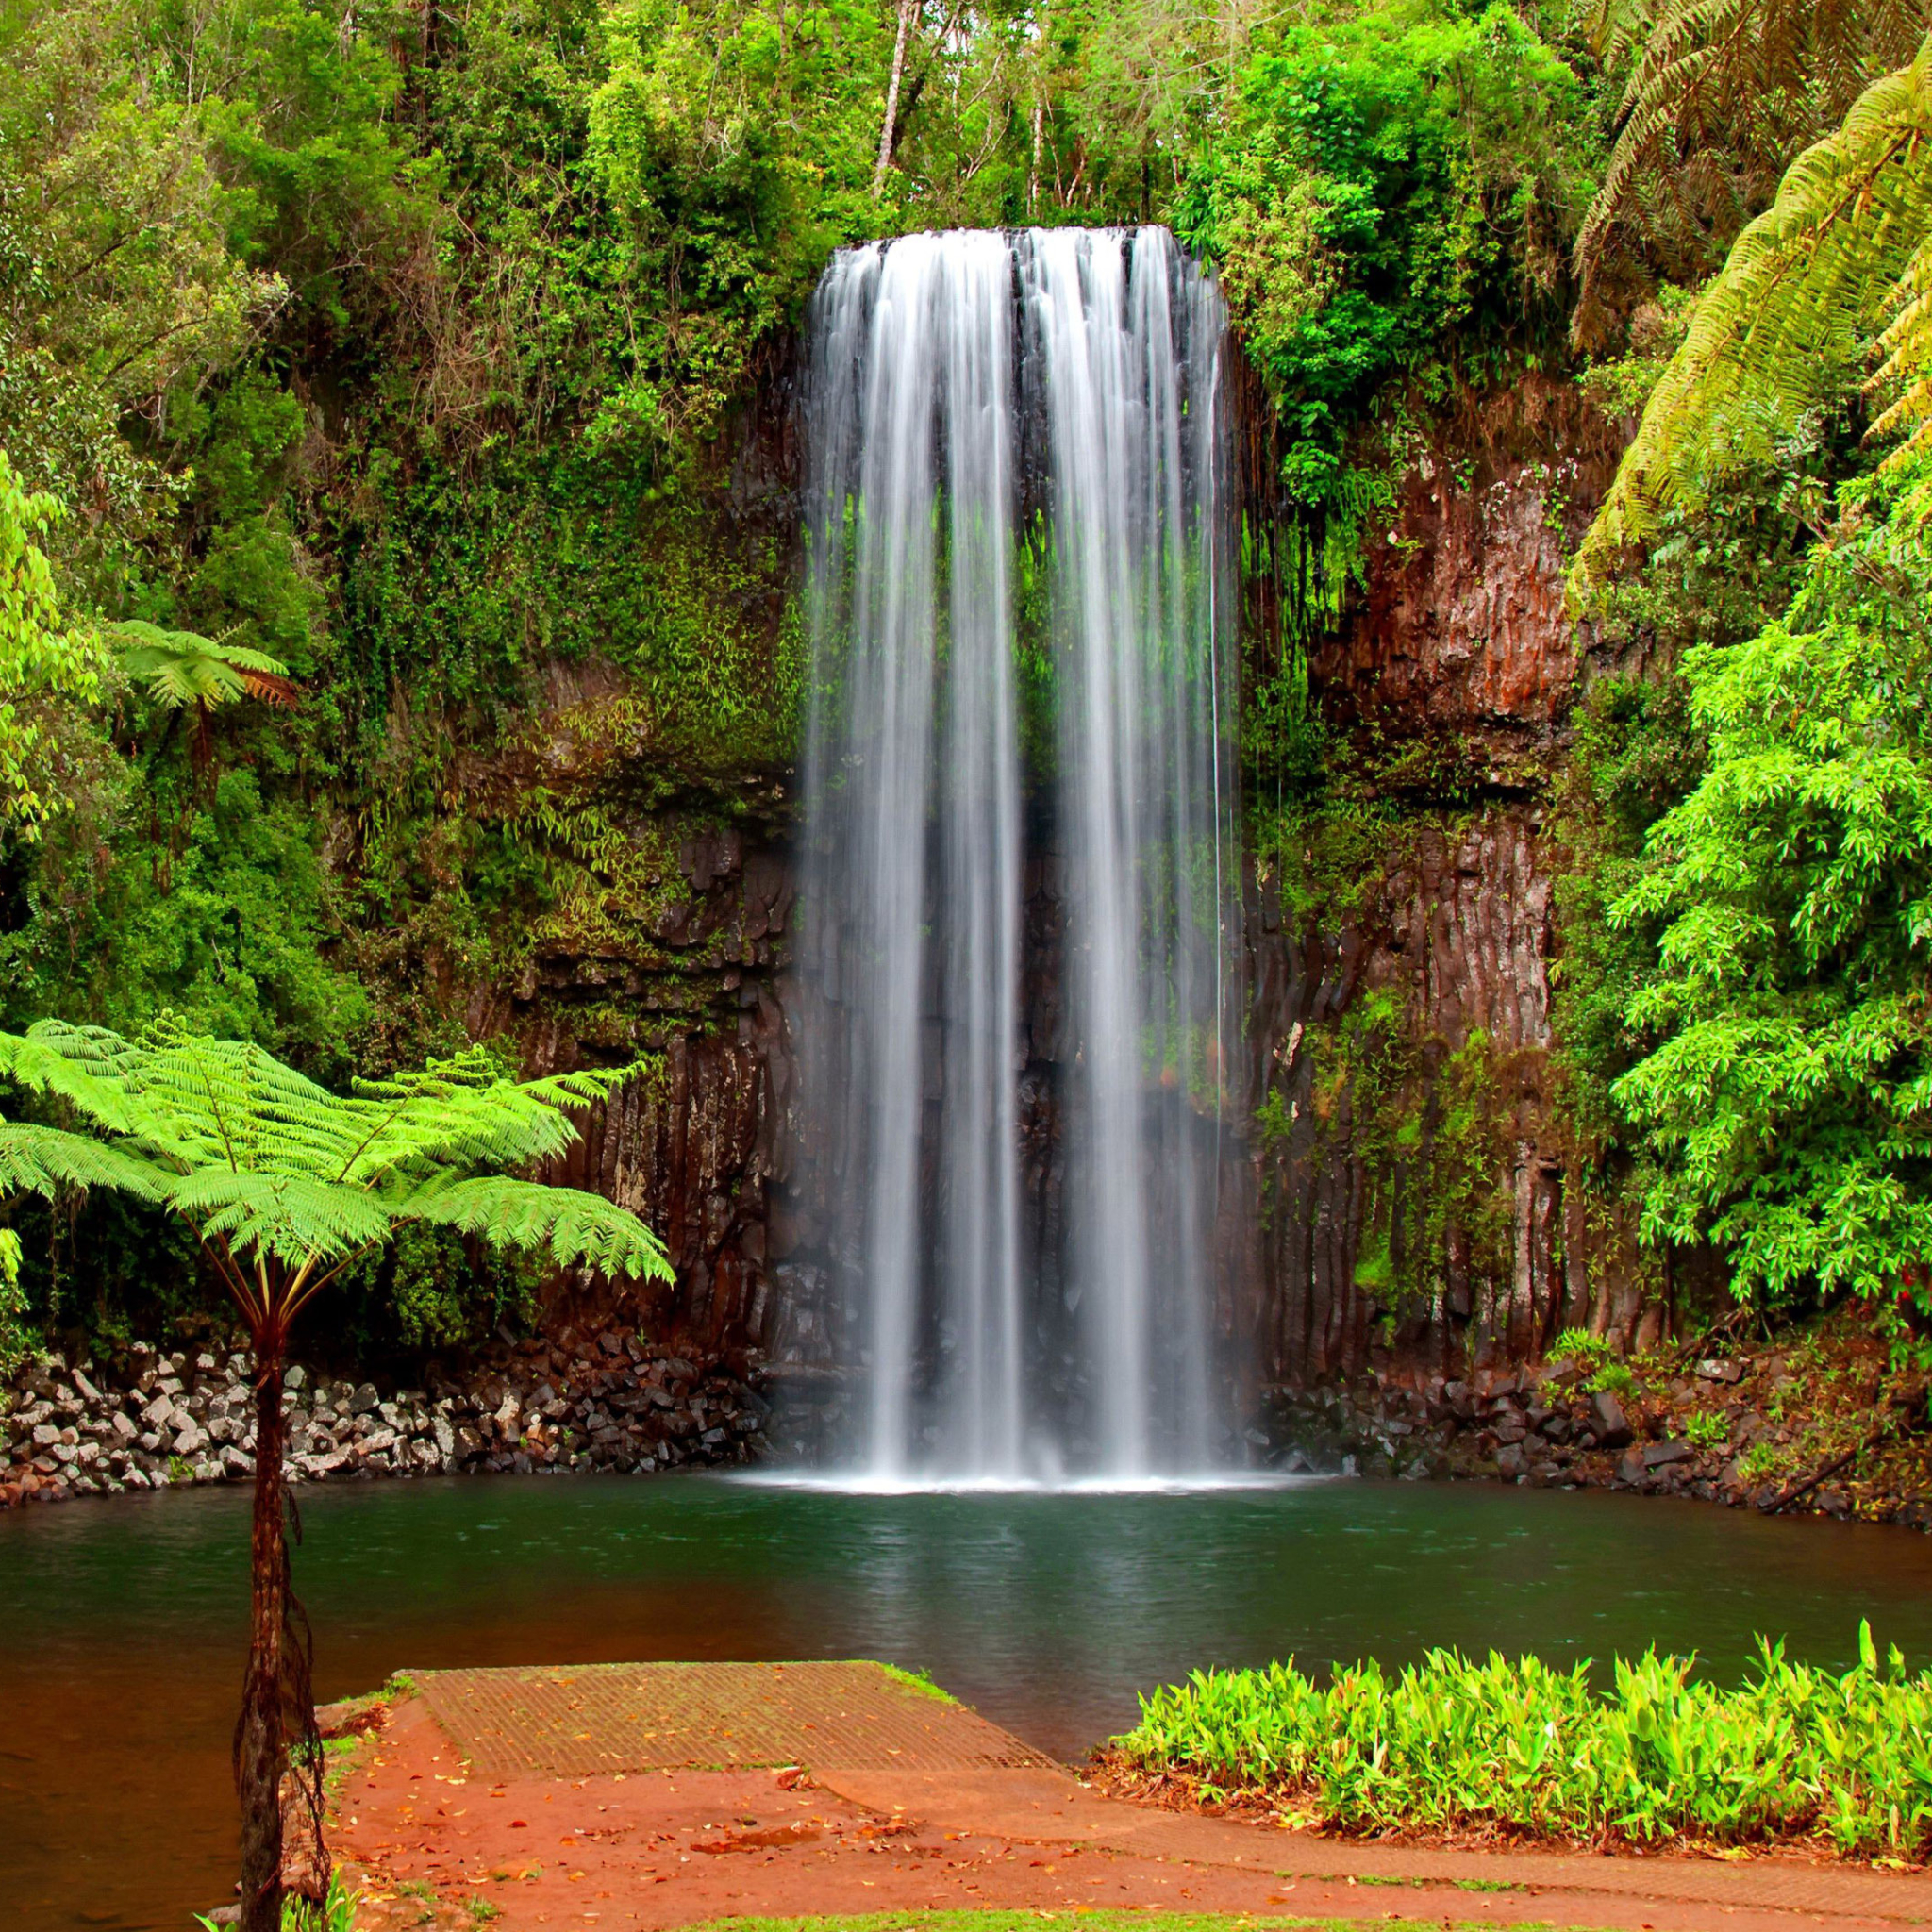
column 260, row 1745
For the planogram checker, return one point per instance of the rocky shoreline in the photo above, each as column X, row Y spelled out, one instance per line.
column 1788, row 1430
column 1818, row 1424
column 153, row 1420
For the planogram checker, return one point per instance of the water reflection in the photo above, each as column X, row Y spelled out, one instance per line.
column 122, row 1630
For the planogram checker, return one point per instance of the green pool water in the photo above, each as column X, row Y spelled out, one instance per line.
column 122, row 1624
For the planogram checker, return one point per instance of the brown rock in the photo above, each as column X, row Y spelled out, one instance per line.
column 1607, row 1421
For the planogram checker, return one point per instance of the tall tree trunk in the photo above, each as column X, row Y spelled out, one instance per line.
column 889, row 131
column 260, row 1739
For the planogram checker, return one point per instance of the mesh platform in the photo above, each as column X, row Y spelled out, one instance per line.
column 571, row 1721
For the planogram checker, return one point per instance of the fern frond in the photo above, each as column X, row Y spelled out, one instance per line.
column 180, row 668
column 44, row 1160
column 569, row 1224
column 1800, row 301
column 264, row 1163
column 1720, row 97
column 1904, row 379
column 290, row 1217
column 1617, row 30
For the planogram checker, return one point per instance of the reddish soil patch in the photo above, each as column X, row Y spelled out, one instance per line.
column 675, row 1848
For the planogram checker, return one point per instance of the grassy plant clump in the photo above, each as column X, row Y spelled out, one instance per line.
column 334, row 1913
column 1453, row 1744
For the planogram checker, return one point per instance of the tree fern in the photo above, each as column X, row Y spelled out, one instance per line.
column 1802, row 301
column 1719, row 97
column 284, row 1184
column 180, row 668
column 1904, row 381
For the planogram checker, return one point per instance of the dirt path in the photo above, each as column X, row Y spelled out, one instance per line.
column 433, row 1838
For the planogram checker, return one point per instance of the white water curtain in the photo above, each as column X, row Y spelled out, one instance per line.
column 1005, row 1340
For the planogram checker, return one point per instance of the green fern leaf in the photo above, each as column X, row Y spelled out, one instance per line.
column 283, row 1181
column 1720, row 97
column 1802, row 300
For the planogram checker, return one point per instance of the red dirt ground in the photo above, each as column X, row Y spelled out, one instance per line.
column 660, row 1849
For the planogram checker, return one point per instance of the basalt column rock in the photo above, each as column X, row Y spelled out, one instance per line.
column 1418, row 1196
column 1458, row 639
column 1412, row 1171
column 693, row 1146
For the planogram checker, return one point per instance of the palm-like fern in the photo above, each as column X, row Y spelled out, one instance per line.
column 1804, row 298
column 180, row 668
column 282, row 1178
column 284, row 1184
column 1719, row 97
column 186, row 671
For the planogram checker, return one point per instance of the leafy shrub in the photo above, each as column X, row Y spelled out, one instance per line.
column 1783, row 1096
column 1709, row 1430
column 1587, row 1351
column 1595, row 1357
column 337, row 1912
column 1386, row 173
column 1795, row 1752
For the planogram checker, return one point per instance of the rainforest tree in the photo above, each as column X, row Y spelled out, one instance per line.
column 1788, row 1089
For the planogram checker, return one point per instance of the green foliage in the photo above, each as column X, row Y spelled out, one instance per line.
column 1782, row 329
column 1386, row 175
column 1715, row 577
column 430, row 1291
column 1603, row 1372
column 182, row 670
column 1708, row 1430
column 1795, row 1752
column 228, row 929
column 1718, row 100
column 918, row 1683
column 16, row 1342
column 1613, row 1378
column 1785, row 1095
column 284, row 1183
column 44, row 664
column 1578, row 1345
column 335, row 1913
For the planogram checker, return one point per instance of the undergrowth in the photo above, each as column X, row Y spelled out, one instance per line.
column 1453, row 1744
column 335, row 1913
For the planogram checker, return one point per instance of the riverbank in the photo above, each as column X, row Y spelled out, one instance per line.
column 146, row 1419
column 1817, row 1420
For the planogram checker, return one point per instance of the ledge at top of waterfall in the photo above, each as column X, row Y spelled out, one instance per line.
column 1014, row 996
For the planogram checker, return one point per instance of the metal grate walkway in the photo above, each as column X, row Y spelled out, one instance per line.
column 570, row 1721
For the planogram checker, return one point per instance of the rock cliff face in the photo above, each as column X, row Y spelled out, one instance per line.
column 1405, row 1190
column 1458, row 637
column 1418, row 1198
column 694, row 1151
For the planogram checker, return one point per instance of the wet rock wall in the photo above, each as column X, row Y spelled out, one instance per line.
column 1420, row 1202
column 1402, row 1189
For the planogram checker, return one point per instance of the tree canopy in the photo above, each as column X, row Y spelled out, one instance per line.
column 1787, row 1093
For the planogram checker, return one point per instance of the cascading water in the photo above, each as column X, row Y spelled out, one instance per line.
column 1020, row 603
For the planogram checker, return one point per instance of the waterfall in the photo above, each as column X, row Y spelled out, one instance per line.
column 1020, row 601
